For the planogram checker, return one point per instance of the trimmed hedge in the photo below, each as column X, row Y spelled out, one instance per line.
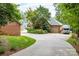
column 36, row 31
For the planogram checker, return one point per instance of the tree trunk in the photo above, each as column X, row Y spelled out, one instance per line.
column 78, row 35
column 0, row 29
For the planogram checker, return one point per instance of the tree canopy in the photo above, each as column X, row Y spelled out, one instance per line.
column 8, row 13
column 68, row 13
column 39, row 17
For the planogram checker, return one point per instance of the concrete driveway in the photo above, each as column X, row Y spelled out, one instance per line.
column 48, row 45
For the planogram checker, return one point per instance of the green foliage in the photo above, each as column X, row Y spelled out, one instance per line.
column 68, row 13
column 73, row 40
column 16, row 43
column 37, row 31
column 2, row 49
column 8, row 13
column 39, row 18
column 20, row 42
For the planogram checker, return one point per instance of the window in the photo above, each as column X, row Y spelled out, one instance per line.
column 66, row 29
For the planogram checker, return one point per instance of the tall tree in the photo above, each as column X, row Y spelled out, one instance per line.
column 39, row 17
column 69, row 13
column 8, row 13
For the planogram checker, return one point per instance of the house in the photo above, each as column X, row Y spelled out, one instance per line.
column 12, row 28
column 55, row 25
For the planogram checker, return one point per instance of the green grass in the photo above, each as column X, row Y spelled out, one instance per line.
column 15, row 42
column 20, row 41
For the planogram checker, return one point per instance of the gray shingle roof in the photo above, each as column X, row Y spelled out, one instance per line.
column 54, row 22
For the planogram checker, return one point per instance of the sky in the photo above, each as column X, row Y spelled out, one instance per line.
column 25, row 6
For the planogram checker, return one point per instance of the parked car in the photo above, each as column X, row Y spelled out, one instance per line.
column 65, row 29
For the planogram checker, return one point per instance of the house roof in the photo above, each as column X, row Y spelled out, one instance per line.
column 54, row 22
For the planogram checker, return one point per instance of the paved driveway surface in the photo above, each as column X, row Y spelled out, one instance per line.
column 48, row 45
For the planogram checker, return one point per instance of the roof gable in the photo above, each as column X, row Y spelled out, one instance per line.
column 54, row 22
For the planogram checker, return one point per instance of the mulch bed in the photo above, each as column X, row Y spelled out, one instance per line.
column 77, row 48
column 7, row 53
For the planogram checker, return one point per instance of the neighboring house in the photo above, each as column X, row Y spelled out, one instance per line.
column 55, row 25
column 29, row 25
column 12, row 28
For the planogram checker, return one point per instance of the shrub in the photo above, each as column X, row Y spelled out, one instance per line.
column 14, row 43
column 4, row 42
column 73, row 40
column 2, row 49
column 36, row 31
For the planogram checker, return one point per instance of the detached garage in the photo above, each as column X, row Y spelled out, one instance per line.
column 55, row 25
column 12, row 28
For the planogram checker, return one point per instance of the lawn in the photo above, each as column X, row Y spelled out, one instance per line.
column 12, row 44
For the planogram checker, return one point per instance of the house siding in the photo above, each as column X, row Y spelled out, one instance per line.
column 11, row 29
column 55, row 28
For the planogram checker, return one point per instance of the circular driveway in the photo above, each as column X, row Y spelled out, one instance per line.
column 48, row 45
